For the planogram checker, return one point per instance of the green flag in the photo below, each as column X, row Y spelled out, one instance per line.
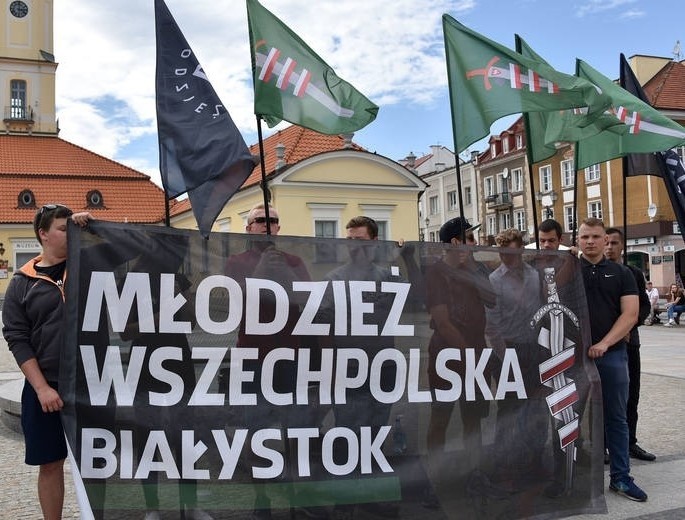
column 647, row 129
column 488, row 81
column 291, row 82
column 545, row 129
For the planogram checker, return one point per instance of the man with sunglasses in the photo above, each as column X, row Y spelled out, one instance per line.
column 33, row 321
column 263, row 260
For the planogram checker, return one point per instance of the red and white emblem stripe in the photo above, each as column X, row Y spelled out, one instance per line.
column 302, row 82
column 286, row 71
column 269, row 64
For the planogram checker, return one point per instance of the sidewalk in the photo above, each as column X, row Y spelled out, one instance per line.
column 660, row 430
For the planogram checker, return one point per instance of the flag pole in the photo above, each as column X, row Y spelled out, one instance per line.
column 624, row 172
column 454, row 137
column 167, row 217
column 529, row 156
column 531, row 178
column 265, row 190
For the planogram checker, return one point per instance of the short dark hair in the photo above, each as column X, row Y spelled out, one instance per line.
column 616, row 231
column 593, row 222
column 363, row 221
column 550, row 225
column 46, row 215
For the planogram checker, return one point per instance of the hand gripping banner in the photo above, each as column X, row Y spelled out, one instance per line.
column 336, row 378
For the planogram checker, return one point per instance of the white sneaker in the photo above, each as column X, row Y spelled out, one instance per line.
column 670, row 323
column 152, row 515
column 197, row 514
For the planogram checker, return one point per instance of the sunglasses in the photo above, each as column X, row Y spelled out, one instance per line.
column 50, row 207
column 262, row 220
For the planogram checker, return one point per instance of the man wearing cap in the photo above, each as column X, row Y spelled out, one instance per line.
column 457, row 291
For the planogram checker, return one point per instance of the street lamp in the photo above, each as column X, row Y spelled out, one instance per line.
column 547, row 200
column 427, row 221
column 2, row 249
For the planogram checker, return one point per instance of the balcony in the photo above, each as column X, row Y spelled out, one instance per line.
column 21, row 113
column 499, row 200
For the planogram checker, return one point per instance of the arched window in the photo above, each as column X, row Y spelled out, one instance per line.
column 94, row 199
column 26, row 199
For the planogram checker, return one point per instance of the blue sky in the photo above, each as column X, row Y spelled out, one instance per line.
column 391, row 50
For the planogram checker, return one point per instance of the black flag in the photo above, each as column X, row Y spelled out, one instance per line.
column 666, row 165
column 201, row 151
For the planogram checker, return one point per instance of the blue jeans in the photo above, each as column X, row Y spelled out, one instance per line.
column 675, row 309
column 613, row 372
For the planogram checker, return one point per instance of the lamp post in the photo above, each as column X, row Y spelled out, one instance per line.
column 2, row 249
column 547, row 200
column 427, row 221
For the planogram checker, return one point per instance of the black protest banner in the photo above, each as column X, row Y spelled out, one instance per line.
column 260, row 372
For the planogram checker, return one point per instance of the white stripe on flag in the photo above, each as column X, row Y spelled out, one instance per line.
column 302, row 83
column 269, row 64
column 286, row 71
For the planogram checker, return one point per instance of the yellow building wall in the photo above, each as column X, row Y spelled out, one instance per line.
column 353, row 185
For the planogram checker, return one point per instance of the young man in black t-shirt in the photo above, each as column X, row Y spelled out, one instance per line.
column 613, row 303
column 613, row 251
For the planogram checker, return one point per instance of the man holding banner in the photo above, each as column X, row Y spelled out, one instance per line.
column 33, row 319
column 612, row 295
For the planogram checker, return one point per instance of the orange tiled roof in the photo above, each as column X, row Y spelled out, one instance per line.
column 300, row 143
column 36, row 163
column 666, row 90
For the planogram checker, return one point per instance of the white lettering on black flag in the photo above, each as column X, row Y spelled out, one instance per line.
column 252, row 372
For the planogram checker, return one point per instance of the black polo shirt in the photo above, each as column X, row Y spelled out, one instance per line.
column 605, row 283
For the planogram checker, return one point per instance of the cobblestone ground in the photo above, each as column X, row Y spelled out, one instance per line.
column 18, row 492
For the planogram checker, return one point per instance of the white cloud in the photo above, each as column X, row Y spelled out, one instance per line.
column 597, row 6
column 106, row 56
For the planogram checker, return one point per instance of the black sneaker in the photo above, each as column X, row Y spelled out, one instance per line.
column 628, row 490
column 638, row 453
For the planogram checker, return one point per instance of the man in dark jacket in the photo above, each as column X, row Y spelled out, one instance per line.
column 613, row 251
column 33, row 321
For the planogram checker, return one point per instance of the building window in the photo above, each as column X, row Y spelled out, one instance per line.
column 547, row 212
column 502, row 184
column 592, row 173
column 545, row 178
column 433, row 205
column 492, row 225
column 519, row 141
column 520, row 219
column 326, row 253
column 489, row 186
column 432, row 236
column 18, row 99
column 94, row 199
column 569, row 218
column 26, row 199
column 493, row 150
column 594, row 209
column 568, row 174
column 517, row 180
column 505, row 220
column 452, row 200
column 505, row 145
column 382, row 229
column 467, row 196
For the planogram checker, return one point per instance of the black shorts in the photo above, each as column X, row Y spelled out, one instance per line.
column 43, row 432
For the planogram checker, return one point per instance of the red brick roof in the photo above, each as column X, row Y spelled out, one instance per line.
column 666, row 90
column 55, row 170
column 300, row 143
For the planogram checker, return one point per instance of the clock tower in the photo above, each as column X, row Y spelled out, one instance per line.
column 27, row 68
